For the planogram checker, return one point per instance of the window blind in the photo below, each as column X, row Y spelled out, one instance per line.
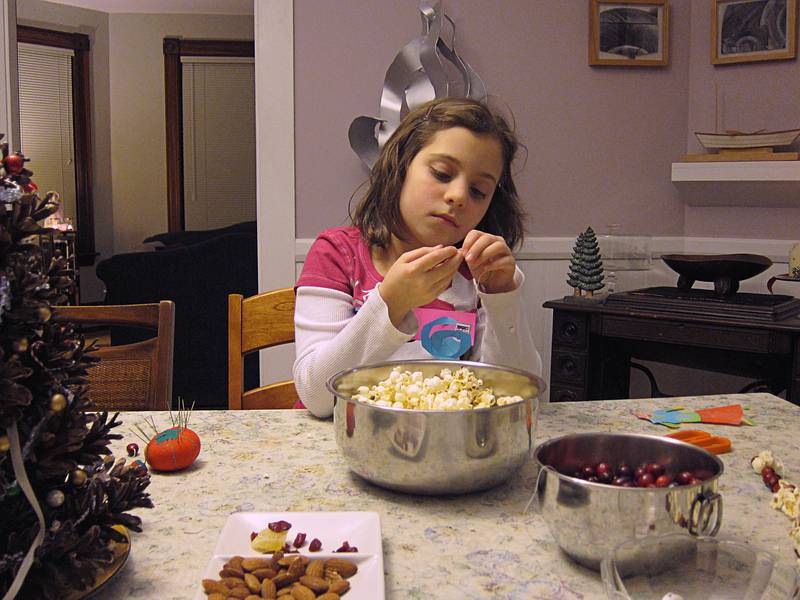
column 46, row 126
column 219, row 143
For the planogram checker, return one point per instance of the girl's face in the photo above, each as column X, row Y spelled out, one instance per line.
column 448, row 187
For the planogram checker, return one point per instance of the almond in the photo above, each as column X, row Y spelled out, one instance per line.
column 268, row 590
column 253, row 597
column 339, row 587
column 301, row 592
column 317, row 584
column 345, row 568
column 217, row 596
column 265, row 573
column 232, row 582
column 328, row 596
column 239, row 592
column 282, row 580
column 212, row 586
column 252, row 582
column 251, row 564
column 296, row 569
column 285, row 592
column 316, row 568
column 235, row 562
column 231, row 572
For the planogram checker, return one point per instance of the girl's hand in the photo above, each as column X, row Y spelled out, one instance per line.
column 490, row 260
column 416, row 278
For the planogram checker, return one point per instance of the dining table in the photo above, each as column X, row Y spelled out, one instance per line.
column 471, row 546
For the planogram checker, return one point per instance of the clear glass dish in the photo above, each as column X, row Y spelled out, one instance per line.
column 684, row 567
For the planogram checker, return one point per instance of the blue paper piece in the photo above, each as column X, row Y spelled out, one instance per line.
column 675, row 416
column 445, row 344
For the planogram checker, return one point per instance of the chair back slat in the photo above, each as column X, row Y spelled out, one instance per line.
column 255, row 323
column 135, row 376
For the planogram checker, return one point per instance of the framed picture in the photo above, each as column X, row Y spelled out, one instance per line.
column 629, row 33
column 752, row 30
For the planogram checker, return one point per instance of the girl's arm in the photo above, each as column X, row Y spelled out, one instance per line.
column 330, row 338
column 503, row 335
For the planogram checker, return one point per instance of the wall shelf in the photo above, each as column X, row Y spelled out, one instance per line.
column 751, row 183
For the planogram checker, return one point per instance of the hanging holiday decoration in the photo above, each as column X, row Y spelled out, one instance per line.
column 172, row 449
column 585, row 267
column 426, row 68
column 60, row 498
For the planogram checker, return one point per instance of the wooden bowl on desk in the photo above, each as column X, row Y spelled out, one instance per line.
column 725, row 270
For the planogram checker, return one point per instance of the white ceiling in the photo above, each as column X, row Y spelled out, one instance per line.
column 205, row 7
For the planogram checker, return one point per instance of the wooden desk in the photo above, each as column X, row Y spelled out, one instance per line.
column 593, row 344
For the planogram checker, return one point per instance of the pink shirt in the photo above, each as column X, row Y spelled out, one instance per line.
column 340, row 260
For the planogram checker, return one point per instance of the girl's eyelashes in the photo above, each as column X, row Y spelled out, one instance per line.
column 445, row 177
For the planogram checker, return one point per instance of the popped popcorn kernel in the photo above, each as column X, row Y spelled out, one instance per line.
column 449, row 390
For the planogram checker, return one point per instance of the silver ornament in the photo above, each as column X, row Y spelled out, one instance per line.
column 55, row 498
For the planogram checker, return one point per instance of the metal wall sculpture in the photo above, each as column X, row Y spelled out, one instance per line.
column 426, row 68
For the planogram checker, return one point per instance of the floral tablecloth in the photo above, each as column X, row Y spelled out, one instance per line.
column 468, row 547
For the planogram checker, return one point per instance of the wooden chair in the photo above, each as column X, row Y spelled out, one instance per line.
column 135, row 376
column 255, row 323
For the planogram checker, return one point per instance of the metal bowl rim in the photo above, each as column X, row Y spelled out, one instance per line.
column 457, row 363
column 536, row 453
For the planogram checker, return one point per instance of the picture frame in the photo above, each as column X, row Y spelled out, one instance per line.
column 629, row 33
column 744, row 31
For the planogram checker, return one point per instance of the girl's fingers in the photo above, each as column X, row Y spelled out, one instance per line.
column 469, row 240
column 494, row 250
column 434, row 257
column 417, row 253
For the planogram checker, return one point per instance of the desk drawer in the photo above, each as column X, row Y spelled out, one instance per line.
column 566, row 393
column 691, row 334
column 568, row 367
column 569, row 328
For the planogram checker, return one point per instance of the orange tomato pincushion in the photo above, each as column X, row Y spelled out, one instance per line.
column 173, row 449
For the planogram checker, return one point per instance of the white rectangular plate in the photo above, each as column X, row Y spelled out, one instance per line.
column 359, row 529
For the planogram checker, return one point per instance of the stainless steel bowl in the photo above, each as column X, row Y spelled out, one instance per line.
column 588, row 520
column 436, row 451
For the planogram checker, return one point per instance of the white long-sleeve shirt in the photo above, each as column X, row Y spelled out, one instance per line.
column 330, row 337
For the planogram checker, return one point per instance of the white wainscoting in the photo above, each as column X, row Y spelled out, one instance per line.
column 545, row 262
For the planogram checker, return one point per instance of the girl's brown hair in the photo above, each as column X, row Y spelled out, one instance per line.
column 377, row 214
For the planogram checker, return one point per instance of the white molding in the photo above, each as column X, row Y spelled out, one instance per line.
column 275, row 189
column 560, row 248
column 9, row 84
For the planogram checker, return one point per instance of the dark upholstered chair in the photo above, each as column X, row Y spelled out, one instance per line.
column 187, row 238
column 198, row 278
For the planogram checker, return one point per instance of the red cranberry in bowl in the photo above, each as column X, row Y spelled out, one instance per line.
column 639, row 471
column 663, row 480
column 623, row 470
column 621, row 480
column 655, row 469
column 588, row 471
column 645, row 480
column 603, row 467
column 684, row 477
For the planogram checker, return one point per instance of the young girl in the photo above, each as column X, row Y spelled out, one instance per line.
column 433, row 231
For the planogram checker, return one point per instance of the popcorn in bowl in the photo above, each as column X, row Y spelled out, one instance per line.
column 449, row 390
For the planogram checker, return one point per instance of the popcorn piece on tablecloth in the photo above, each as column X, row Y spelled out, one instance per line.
column 766, row 459
column 787, row 500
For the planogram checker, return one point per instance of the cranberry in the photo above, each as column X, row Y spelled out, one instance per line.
column 593, row 478
column 766, row 472
column 655, row 469
column 345, row 547
column 133, row 449
column 695, row 481
column 639, row 471
column 772, row 480
column 629, row 484
column 315, row 545
column 299, row 540
column 623, row 470
column 703, row 474
column 603, row 468
column 605, row 477
column 588, row 471
column 663, row 480
column 645, row 480
column 621, row 480
column 775, row 487
column 674, row 484
column 253, row 535
column 279, row 526
column 684, row 477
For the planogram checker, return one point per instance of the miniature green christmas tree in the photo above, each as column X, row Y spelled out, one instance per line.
column 585, row 267
column 61, row 493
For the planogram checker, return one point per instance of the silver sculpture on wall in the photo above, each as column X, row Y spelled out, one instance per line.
column 426, row 68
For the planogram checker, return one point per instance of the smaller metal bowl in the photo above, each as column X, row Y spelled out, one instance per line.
column 588, row 520
column 697, row 568
column 436, row 451
column 725, row 270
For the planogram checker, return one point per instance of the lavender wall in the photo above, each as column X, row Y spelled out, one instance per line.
column 753, row 96
column 601, row 140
